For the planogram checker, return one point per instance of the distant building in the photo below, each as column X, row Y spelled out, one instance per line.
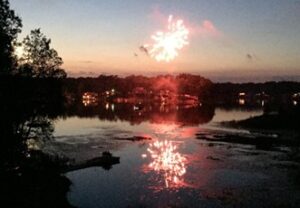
column 90, row 99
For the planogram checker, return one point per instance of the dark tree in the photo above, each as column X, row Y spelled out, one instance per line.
column 10, row 26
column 39, row 59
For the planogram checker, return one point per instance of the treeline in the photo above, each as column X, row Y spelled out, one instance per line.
column 23, row 98
column 16, row 90
column 226, row 92
column 181, row 84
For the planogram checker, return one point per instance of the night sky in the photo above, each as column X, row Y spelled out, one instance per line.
column 93, row 36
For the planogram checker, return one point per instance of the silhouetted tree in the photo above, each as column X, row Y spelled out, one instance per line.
column 39, row 59
column 10, row 26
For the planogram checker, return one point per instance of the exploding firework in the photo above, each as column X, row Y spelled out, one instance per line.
column 168, row 161
column 166, row 44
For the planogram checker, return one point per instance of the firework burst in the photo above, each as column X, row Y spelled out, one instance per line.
column 167, row 44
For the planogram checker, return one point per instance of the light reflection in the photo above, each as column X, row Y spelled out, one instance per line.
column 166, row 160
column 242, row 101
column 173, row 131
column 107, row 106
column 113, row 107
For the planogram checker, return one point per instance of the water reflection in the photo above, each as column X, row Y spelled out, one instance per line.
column 171, row 169
column 142, row 112
column 242, row 101
column 168, row 162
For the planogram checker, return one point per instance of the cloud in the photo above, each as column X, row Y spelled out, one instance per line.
column 156, row 15
column 202, row 29
column 207, row 29
column 82, row 74
column 86, row 62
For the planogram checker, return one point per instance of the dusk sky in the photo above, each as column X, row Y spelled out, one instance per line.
column 227, row 36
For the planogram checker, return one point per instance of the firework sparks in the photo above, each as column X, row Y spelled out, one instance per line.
column 166, row 44
column 168, row 161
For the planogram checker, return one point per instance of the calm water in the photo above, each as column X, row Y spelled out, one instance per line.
column 176, row 167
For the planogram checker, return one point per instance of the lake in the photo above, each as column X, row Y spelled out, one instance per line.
column 173, row 157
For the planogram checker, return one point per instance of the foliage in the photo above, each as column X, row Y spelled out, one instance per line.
column 39, row 59
column 181, row 84
column 10, row 26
